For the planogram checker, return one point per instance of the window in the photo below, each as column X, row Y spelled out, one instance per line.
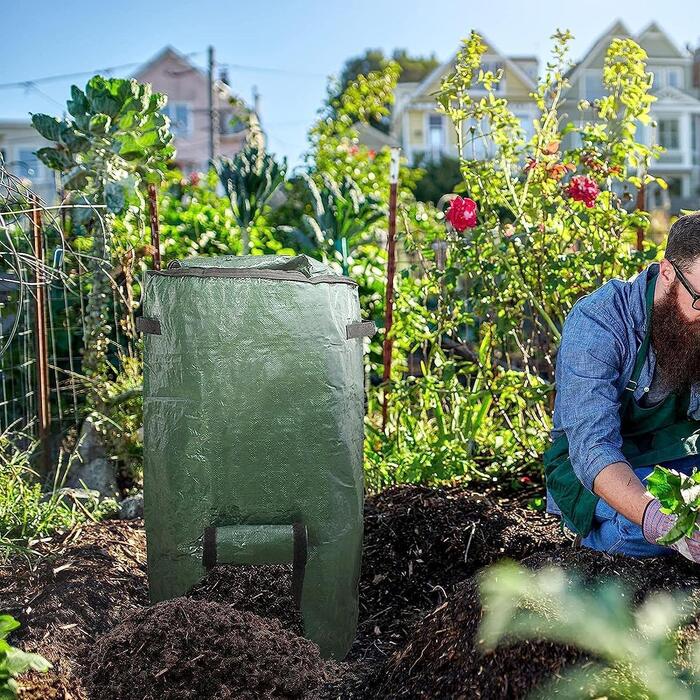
column 436, row 135
column 179, row 114
column 674, row 77
column 27, row 165
column 668, row 134
column 526, row 122
column 593, row 86
column 667, row 77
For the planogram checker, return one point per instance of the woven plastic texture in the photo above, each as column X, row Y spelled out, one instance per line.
column 253, row 415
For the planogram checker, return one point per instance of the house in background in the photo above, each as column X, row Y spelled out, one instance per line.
column 18, row 145
column 675, row 112
column 187, row 88
column 425, row 133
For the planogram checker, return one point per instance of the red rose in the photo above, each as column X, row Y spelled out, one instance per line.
column 462, row 213
column 583, row 189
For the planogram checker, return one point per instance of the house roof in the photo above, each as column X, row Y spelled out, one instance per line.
column 171, row 52
column 449, row 63
column 619, row 29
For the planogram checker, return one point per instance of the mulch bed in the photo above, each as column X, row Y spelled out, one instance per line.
column 84, row 605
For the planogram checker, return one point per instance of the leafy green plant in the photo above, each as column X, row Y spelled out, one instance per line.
column 679, row 494
column 250, row 179
column 14, row 662
column 115, row 140
column 635, row 652
column 549, row 221
column 28, row 513
column 342, row 220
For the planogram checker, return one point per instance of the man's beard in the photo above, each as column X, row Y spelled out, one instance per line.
column 676, row 342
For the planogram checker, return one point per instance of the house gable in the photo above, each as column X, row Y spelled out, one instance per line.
column 658, row 44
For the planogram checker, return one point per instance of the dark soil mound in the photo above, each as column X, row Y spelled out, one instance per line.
column 83, row 584
column 263, row 590
column 420, row 542
column 186, row 649
column 443, row 657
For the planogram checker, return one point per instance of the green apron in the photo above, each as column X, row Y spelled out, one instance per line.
column 649, row 436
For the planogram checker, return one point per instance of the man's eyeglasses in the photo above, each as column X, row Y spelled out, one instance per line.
column 687, row 285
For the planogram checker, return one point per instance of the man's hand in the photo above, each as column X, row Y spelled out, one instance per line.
column 656, row 524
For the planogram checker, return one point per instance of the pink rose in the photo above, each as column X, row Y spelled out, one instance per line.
column 462, row 213
column 583, row 189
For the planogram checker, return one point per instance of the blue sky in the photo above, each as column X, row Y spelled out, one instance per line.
column 287, row 48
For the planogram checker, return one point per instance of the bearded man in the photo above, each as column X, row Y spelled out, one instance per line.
column 628, row 398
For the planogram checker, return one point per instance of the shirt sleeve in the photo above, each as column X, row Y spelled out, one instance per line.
column 588, row 374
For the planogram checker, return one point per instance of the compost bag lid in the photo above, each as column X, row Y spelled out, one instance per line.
column 280, row 267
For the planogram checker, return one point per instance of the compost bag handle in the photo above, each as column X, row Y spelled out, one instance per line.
column 258, row 545
column 360, row 329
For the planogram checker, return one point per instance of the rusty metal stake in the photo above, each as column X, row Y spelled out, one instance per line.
column 42, row 353
column 391, row 271
column 155, row 227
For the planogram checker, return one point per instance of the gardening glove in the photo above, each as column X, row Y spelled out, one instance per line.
column 656, row 524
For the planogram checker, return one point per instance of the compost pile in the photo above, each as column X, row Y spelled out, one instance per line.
column 84, row 605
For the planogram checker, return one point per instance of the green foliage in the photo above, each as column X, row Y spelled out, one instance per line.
column 194, row 219
column 440, row 176
column 115, row 140
column 14, row 662
column 679, row 494
column 116, row 136
column 250, row 179
column 412, row 69
column 26, row 512
column 635, row 651
column 342, row 220
column 488, row 304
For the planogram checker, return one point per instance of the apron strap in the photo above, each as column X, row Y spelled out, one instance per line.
column 643, row 349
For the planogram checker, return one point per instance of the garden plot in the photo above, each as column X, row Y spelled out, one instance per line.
column 84, row 606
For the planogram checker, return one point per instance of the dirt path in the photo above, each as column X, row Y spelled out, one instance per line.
column 236, row 635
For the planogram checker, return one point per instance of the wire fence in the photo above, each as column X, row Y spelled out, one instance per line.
column 44, row 285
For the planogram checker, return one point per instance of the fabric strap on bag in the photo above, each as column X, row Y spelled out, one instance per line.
column 148, row 325
column 360, row 329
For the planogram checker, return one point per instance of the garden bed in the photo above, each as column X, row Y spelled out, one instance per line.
column 84, row 606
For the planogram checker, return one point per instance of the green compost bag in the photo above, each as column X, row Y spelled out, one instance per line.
column 253, row 429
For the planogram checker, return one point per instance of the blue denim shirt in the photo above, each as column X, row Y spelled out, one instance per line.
column 600, row 339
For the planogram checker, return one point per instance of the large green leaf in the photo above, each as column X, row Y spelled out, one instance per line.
column 55, row 159
column 7, row 625
column 48, row 127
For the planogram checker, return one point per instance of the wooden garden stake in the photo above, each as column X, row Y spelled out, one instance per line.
column 390, row 272
column 155, row 228
column 42, row 352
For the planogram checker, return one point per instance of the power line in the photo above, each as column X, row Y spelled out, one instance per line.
column 70, row 76
column 262, row 69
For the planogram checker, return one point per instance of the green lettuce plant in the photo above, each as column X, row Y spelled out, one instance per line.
column 679, row 494
column 14, row 662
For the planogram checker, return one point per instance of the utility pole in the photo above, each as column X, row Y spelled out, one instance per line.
column 211, row 105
